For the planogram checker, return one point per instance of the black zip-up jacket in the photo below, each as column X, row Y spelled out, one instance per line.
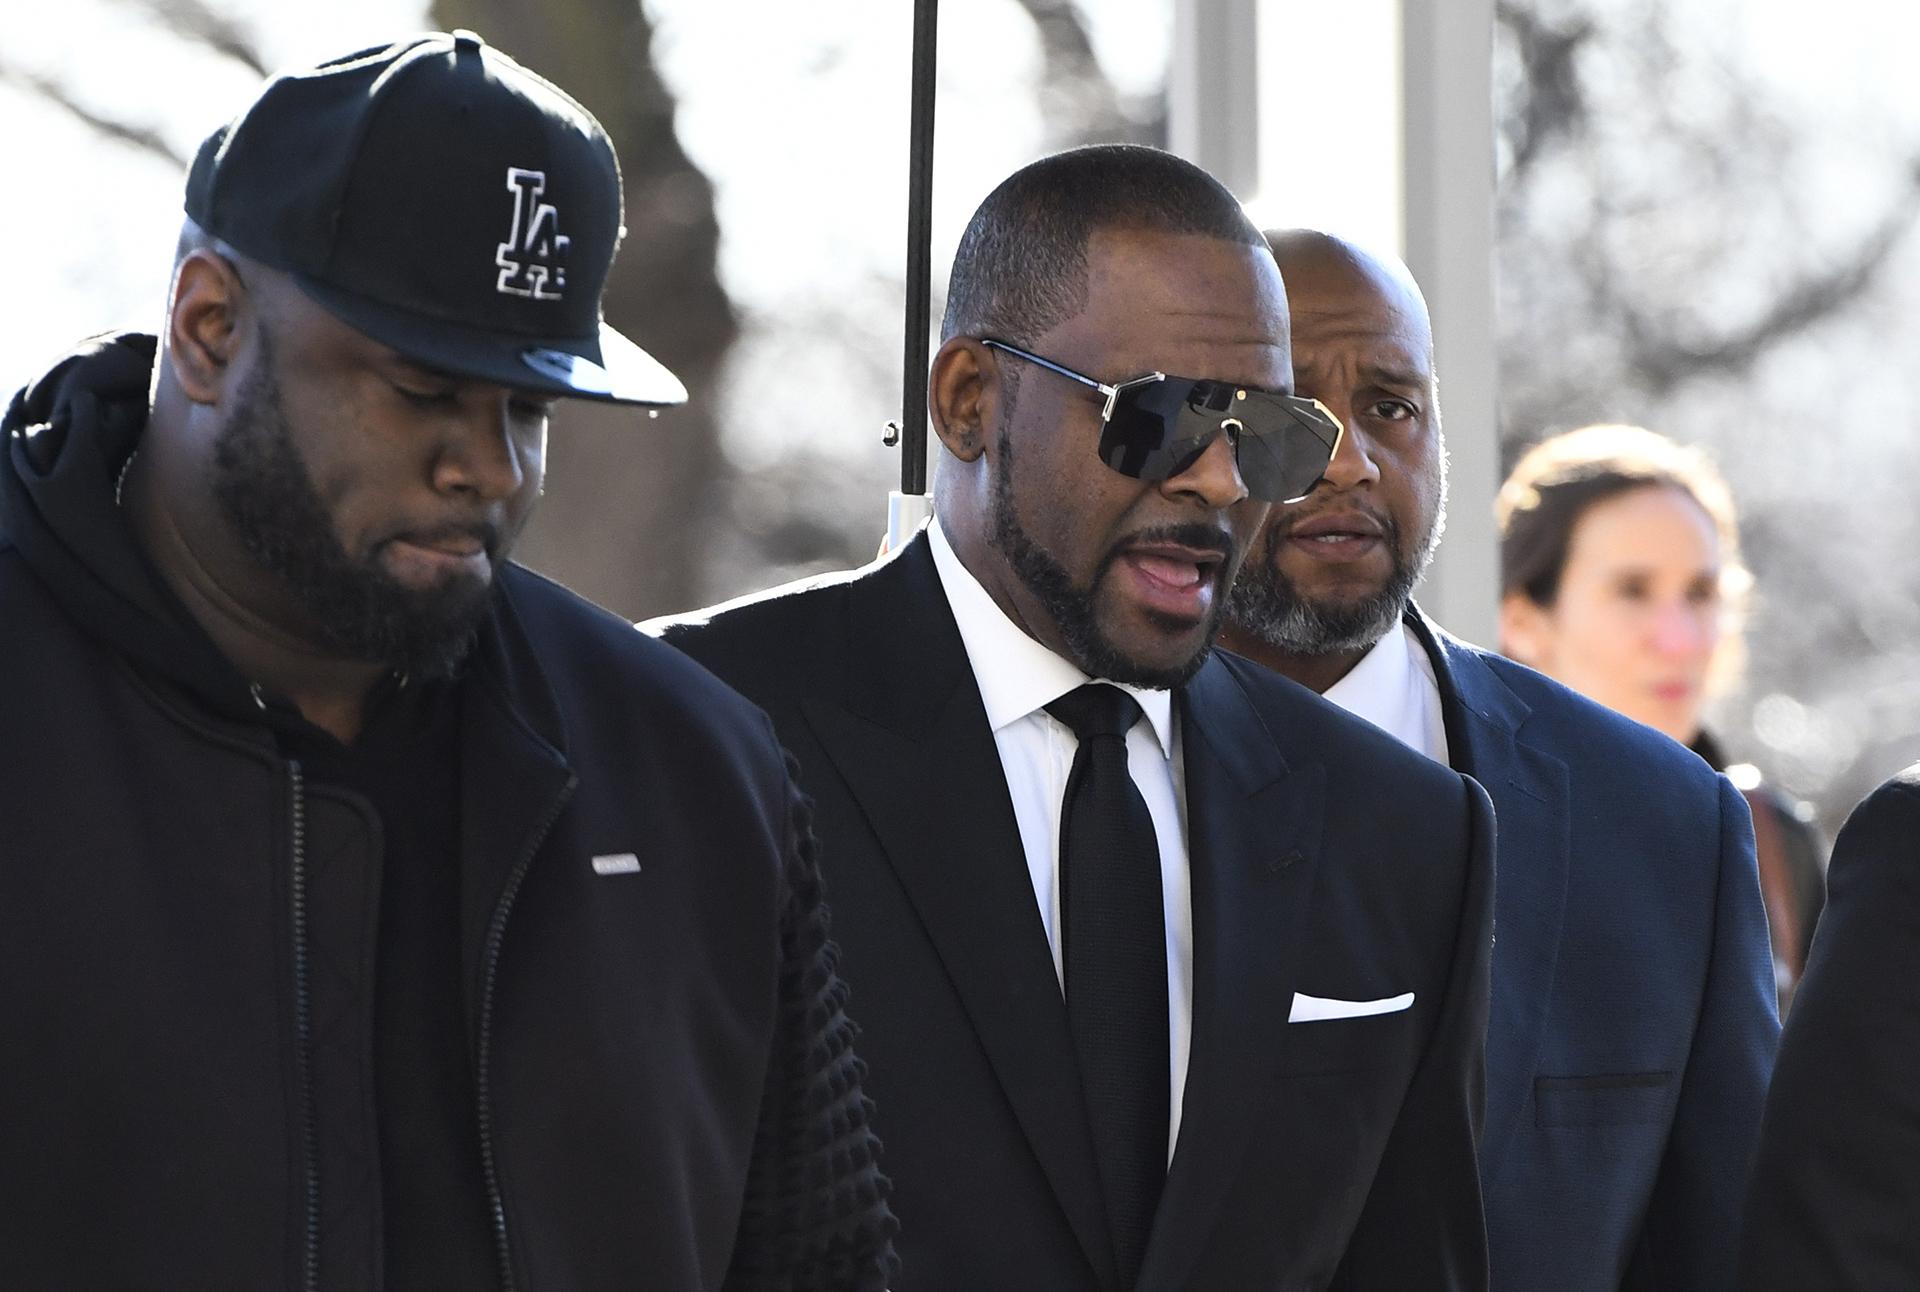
column 667, row 1092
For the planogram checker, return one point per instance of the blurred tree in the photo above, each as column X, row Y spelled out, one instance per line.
column 192, row 20
column 1079, row 101
column 57, row 92
column 1642, row 209
column 1682, row 245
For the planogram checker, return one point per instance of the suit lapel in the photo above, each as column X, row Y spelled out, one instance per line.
column 913, row 745
column 1253, row 841
column 1484, row 720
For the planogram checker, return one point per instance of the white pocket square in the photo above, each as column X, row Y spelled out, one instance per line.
column 1313, row 1009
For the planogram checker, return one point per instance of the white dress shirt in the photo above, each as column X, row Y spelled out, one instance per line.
column 1394, row 688
column 1018, row 678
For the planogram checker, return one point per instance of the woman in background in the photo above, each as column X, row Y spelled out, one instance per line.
column 1621, row 577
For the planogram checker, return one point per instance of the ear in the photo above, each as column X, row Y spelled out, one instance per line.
column 963, row 395
column 1526, row 631
column 203, row 319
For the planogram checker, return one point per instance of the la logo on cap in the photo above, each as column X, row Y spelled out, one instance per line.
column 532, row 259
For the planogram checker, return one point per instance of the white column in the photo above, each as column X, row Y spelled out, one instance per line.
column 1334, row 147
column 1329, row 111
column 1448, row 171
column 1212, row 103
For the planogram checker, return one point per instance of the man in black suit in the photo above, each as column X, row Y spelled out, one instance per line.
column 1632, row 1016
column 1833, row 1198
column 1223, row 924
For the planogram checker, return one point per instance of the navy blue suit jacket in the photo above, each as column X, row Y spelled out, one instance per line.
column 1633, row 1021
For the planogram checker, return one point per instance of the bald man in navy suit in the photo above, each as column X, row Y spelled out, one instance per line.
column 1633, row 1019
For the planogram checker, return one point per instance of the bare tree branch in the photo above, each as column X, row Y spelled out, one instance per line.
column 194, row 21
column 1664, row 360
column 127, row 132
column 1550, row 104
column 1084, row 95
column 1666, row 243
column 1064, row 40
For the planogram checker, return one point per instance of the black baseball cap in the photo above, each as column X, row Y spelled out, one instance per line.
column 443, row 200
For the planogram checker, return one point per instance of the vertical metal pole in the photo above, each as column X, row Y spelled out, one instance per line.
column 913, row 401
column 909, row 506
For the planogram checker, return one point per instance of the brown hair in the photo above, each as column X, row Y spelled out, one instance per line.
column 1560, row 479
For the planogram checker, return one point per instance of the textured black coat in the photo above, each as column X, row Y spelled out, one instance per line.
column 666, row 1090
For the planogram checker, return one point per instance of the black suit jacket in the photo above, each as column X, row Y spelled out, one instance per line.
column 1325, row 858
column 1835, row 1198
column 1632, row 1026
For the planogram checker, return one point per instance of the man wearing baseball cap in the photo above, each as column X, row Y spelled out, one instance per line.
column 373, row 912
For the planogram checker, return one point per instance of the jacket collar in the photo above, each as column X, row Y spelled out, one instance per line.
column 63, row 443
column 514, row 773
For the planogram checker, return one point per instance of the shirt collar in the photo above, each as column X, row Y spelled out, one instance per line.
column 1385, row 689
column 1373, row 687
column 1016, row 674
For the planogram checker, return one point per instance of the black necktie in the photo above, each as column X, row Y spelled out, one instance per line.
column 1116, row 963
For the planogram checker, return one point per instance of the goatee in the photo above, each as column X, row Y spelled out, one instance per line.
column 1266, row 604
column 1071, row 606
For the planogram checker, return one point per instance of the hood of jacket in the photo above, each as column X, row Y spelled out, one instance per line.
column 66, row 439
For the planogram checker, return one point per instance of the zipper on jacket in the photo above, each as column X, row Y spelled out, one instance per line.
column 303, row 1031
column 483, row 1047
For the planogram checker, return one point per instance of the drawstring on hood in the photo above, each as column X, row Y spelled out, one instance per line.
column 66, row 439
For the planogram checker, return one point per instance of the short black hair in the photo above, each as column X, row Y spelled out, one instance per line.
column 1022, row 263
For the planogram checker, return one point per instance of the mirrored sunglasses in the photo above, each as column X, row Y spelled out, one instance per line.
column 1156, row 426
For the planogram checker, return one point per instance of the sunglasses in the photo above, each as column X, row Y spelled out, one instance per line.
column 1156, row 426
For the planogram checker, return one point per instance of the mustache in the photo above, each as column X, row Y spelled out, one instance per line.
column 1204, row 538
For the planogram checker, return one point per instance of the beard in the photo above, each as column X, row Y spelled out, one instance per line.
column 353, row 607
column 1267, row 605
column 1071, row 606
